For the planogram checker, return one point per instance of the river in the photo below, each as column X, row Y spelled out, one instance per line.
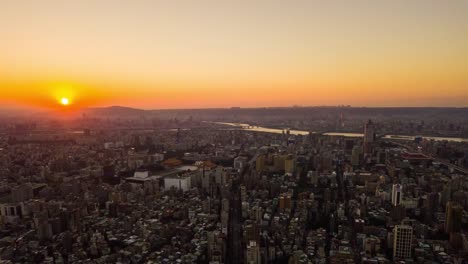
column 342, row 134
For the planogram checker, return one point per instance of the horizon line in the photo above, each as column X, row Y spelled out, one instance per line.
column 19, row 108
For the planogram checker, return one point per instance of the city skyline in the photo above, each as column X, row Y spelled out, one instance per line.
column 182, row 187
column 233, row 131
column 158, row 55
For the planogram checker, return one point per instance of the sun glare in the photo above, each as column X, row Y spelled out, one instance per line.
column 64, row 101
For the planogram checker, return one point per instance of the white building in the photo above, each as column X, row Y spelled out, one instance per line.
column 141, row 174
column 178, row 182
column 10, row 213
column 109, row 145
column 240, row 163
column 397, row 194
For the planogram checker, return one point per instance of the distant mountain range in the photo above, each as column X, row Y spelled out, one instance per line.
column 452, row 112
column 114, row 111
column 320, row 111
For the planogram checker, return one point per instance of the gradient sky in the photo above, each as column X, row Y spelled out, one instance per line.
column 196, row 54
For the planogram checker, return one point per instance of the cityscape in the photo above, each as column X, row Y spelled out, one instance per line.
column 183, row 187
column 234, row 132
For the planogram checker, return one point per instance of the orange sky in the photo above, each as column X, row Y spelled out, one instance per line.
column 196, row 54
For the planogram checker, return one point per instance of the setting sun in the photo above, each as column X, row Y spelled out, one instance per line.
column 64, row 101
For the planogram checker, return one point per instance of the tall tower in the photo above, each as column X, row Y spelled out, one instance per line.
column 178, row 136
column 397, row 194
column 402, row 236
column 369, row 137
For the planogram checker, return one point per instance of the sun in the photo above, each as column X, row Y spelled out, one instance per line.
column 64, row 101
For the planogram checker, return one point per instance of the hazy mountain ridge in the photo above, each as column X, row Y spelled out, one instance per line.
column 116, row 110
column 113, row 111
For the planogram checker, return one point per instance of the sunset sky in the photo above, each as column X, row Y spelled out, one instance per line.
column 198, row 54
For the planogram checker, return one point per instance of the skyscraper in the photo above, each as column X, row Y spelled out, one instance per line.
column 397, row 194
column 369, row 137
column 453, row 217
column 260, row 163
column 356, row 155
column 402, row 236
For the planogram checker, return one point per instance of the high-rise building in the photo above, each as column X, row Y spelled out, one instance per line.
column 252, row 232
column 453, row 217
column 216, row 246
column 252, row 253
column 349, row 144
column 243, row 193
column 279, row 162
column 398, row 212
column 402, row 237
column 356, row 155
column 397, row 194
column 289, row 165
column 281, row 202
column 431, row 205
column 369, row 137
column 285, row 202
column 260, row 163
